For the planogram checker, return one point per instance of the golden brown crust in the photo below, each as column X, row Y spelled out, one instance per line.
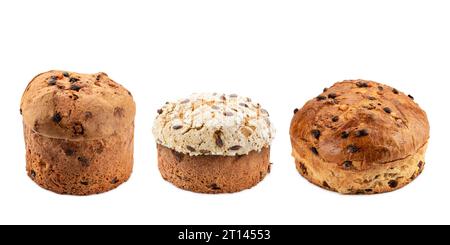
column 79, row 167
column 358, row 125
column 213, row 174
column 68, row 105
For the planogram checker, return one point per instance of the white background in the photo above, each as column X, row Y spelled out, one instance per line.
column 280, row 53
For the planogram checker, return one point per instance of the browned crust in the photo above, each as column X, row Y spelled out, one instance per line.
column 79, row 167
column 213, row 174
column 357, row 136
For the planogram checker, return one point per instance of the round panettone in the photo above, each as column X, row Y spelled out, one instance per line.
column 360, row 137
column 78, row 132
column 213, row 143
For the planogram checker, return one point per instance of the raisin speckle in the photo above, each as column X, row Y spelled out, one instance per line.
column 332, row 96
column 395, row 91
column 315, row 133
column 345, row 135
column 380, row 88
column 84, row 161
column 69, row 151
column 33, row 174
column 411, row 97
column 66, row 74
column 75, row 87
column 114, row 180
column 57, row 118
column 352, row 149
column 295, row 111
column 78, row 129
column 347, row 164
column 393, row 183
column 84, row 182
column 190, row 148
column 320, row 97
column 314, row 150
column 159, row 111
column 335, row 119
column 74, row 79
column 362, row 133
column 387, row 110
column 362, row 84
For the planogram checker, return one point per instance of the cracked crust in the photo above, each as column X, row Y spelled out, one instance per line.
column 213, row 174
column 357, row 130
column 213, row 124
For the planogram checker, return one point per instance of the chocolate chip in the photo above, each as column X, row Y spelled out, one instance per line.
column 84, row 182
column 114, row 180
column 325, row 184
column 352, row 149
column 325, row 90
column 176, row 127
column 235, row 148
column 33, row 174
column 393, row 183
column 314, row 150
column 347, row 164
column 78, row 129
column 228, row 114
column 20, row 111
column 243, row 104
column 295, row 110
column 410, row 96
column 75, row 87
column 222, row 97
column 69, row 152
column 371, row 98
column 74, row 79
column 395, row 91
column 315, row 133
column 57, row 118
column 362, row 84
column 218, row 138
column 159, row 111
column 368, row 190
column 345, row 135
column 321, row 97
column 387, row 110
column 66, row 74
column 332, row 96
column 361, row 133
column 190, row 148
column 380, row 88
column 84, row 161
column 335, row 118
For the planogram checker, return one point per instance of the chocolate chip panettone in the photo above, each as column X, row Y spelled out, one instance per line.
column 360, row 137
column 213, row 143
column 78, row 132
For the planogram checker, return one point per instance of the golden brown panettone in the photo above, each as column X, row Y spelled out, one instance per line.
column 360, row 137
column 78, row 132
